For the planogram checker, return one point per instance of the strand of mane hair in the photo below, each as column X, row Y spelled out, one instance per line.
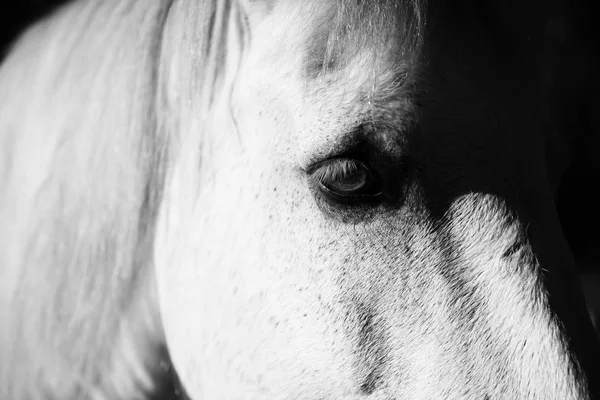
column 80, row 177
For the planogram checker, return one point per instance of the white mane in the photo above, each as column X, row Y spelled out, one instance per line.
column 81, row 156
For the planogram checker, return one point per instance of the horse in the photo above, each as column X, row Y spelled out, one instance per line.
column 296, row 199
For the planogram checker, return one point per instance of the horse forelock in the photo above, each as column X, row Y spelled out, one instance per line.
column 209, row 40
column 341, row 29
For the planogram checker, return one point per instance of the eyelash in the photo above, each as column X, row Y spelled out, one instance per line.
column 334, row 169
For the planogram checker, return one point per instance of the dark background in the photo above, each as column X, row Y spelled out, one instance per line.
column 579, row 194
column 17, row 14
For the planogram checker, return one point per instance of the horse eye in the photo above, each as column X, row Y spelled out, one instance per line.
column 343, row 179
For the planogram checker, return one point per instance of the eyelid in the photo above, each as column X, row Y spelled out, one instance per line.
column 338, row 150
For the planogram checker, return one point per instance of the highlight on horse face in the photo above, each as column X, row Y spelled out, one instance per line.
column 287, row 200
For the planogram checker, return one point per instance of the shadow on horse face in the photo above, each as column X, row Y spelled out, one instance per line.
column 372, row 216
column 335, row 199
